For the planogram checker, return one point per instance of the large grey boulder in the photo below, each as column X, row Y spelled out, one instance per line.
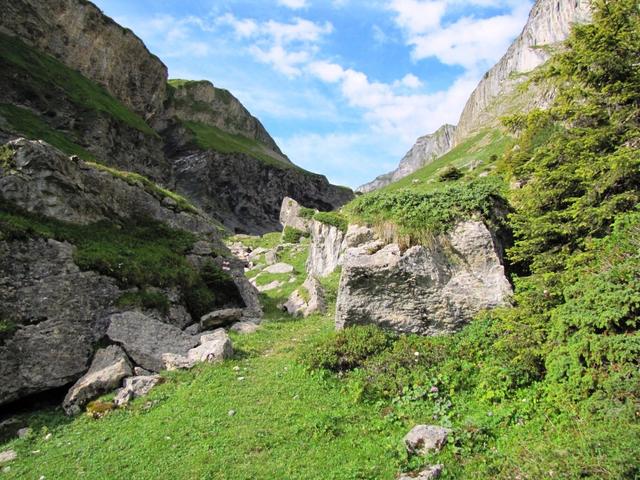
column 424, row 439
column 307, row 300
column 427, row 290
column 109, row 366
column 145, row 339
column 59, row 313
column 279, row 268
column 290, row 215
column 221, row 318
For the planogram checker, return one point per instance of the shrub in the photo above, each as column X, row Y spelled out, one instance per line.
column 450, row 173
column 334, row 219
column 292, row 235
column 307, row 213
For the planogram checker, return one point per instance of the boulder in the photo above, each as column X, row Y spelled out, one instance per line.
column 145, row 340
column 279, row 268
column 307, row 300
column 109, row 366
column 214, row 347
column 427, row 290
column 59, row 311
column 424, row 439
column 271, row 257
column 221, row 318
column 244, row 328
column 135, row 387
column 270, row 286
column 430, row 473
column 325, row 250
column 8, row 456
column 290, row 215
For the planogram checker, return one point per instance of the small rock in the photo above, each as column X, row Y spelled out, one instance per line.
column 236, row 368
column 214, row 347
column 8, row 456
column 429, row 473
column 48, row 436
column 244, row 328
column 279, row 268
column 231, row 413
column 269, row 286
column 423, row 439
column 221, row 318
column 135, row 387
column 24, row 432
column 271, row 257
column 6, row 469
column 240, row 379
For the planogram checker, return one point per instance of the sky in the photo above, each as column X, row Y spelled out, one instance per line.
column 344, row 86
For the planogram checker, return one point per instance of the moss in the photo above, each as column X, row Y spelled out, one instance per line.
column 6, row 156
column 307, row 213
column 147, row 299
column 98, row 409
column 43, row 71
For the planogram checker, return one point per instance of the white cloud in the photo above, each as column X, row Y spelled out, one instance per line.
column 293, row 4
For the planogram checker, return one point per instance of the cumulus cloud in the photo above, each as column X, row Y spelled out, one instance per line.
column 293, row 4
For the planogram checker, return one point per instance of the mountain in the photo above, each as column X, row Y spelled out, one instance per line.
column 425, row 150
column 495, row 96
column 75, row 78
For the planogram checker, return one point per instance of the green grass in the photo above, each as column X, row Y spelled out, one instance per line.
column 268, row 240
column 32, row 126
column 209, row 137
column 43, row 71
column 147, row 299
column 334, row 219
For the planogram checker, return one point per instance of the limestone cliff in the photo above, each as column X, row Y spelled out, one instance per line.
column 425, row 151
column 77, row 33
column 549, row 23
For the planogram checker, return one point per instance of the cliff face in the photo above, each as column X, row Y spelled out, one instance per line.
column 549, row 22
column 425, row 151
column 77, row 33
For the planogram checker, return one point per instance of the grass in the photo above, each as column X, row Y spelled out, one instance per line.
column 209, row 137
column 334, row 219
column 32, row 126
column 43, row 71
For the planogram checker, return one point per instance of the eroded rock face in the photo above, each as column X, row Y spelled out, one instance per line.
column 425, row 290
column 326, row 249
column 549, row 22
column 426, row 150
column 146, row 340
column 82, row 37
column 290, row 215
column 59, row 313
column 233, row 189
column 43, row 180
column 109, row 366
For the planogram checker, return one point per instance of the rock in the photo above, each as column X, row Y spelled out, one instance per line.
column 244, row 328
column 59, row 311
column 8, row 456
column 231, row 413
column 248, row 293
column 430, row 290
column 307, row 300
column 290, row 215
column 270, row 286
column 193, row 329
column 423, row 439
column 271, row 257
column 279, row 268
column 9, row 428
column 109, row 366
column 145, row 340
column 425, row 151
column 357, row 235
column 135, row 387
column 24, row 432
column 214, row 347
column 221, row 318
column 430, row 473
column 141, row 372
column 325, row 250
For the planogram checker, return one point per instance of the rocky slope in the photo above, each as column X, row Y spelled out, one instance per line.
column 425, row 151
column 73, row 77
column 549, row 22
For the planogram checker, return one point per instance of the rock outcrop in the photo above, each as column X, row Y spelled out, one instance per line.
column 290, row 215
column 430, row 290
column 59, row 313
column 233, row 189
column 326, row 249
column 109, row 367
column 83, row 38
column 307, row 300
column 426, row 150
column 549, row 23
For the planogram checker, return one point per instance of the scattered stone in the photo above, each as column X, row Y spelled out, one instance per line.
column 48, row 437
column 423, row 439
column 135, row 387
column 244, row 328
column 146, row 339
column 109, row 366
column 231, row 413
column 24, row 432
column 429, row 473
column 8, row 456
column 307, row 300
column 279, row 268
column 214, row 347
column 271, row 257
column 270, row 286
column 221, row 318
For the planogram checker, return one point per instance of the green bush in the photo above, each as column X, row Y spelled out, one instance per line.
column 293, row 235
column 450, row 173
column 347, row 349
column 147, row 299
column 334, row 219
column 307, row 213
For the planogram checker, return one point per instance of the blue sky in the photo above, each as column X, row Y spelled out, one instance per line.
column 344, row 86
